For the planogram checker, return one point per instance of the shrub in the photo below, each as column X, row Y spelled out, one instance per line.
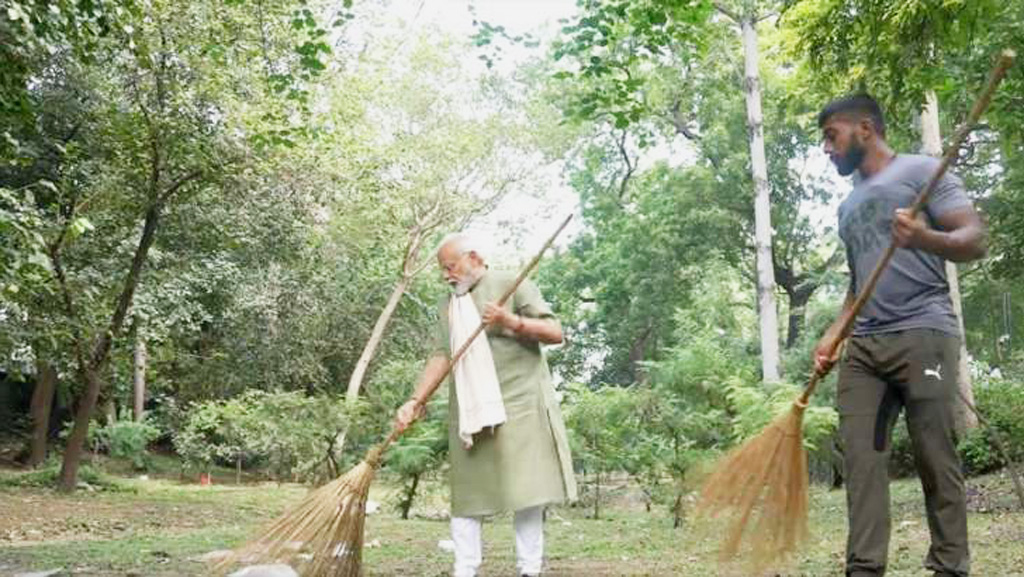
column 420, row 451
column 901, row 458
column 1001, row 402
column 127, row 439
column 49, row 473
column 292, row 434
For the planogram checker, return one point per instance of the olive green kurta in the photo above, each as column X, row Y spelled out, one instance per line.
column 525, row 462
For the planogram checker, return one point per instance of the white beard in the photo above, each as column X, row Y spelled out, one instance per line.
column 463, row 286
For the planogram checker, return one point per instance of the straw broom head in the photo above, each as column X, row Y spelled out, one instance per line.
column 321, row 536
column 760, row 489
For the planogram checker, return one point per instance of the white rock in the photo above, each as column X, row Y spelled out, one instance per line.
column 373, row 544
column 212, row 556
column 278, row 570
column 372, row 507
column 446, row 545
column 49, row 573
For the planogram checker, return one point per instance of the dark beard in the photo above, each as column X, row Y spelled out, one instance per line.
column 850, row 161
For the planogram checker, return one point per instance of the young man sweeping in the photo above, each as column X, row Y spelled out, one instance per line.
column 904, row 348
column 507, row 442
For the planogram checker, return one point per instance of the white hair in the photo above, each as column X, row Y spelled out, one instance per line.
column 464, row 243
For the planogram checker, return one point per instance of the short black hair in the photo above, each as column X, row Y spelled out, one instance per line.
column 859, row 105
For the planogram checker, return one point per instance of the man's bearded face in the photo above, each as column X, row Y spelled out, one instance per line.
column 461, row 270
column 843, row 145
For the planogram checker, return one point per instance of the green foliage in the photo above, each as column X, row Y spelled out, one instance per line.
column 755, row 407
column 604, row 433
column 610, row 51
column 291, row 434
column 1001, row 402
column 896, row 51
column 32, row 33
column 23, row 258
column 47, row 476
column 127, row 439
column 419, row 452
column 636, row 262
column 599, row 420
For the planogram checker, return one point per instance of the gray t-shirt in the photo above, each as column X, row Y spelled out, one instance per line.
column 913, row 291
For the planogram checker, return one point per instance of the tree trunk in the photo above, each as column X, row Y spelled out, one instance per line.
column 109, row 411
column 410, row 495
column 966, row 419
column 762, row 209
column 798, row 300
column 76, row 440
column 931, row 144
column 42, row 401
column 677, row 510
column 139, row 379
column 637, row 353
column 89, row 367
column 355, row 382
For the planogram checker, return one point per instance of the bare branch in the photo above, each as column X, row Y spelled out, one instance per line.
column 630, row 166
column 681, row 124
column 177, row 184
column 728, row 13
column 69, row 305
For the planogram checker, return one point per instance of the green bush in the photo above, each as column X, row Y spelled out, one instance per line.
column 1001, row 402
column 421, row 451
column 290, row 434
column 48, row 475
column 127, row 439
column 901, row 459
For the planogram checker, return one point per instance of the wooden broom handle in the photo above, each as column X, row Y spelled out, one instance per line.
column 479, row 329
column 998, row 73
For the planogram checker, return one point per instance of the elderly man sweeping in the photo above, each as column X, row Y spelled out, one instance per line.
column 507, row 442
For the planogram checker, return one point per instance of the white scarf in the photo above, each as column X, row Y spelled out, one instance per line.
column 476, row 381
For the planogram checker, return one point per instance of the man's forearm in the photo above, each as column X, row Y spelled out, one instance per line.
column 960, row 245
column 547, row 331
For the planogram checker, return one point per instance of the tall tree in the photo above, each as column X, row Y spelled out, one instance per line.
column 169, row 131
column 679, row 79
column 450, row 154
column 42, row 400
column 747, row 20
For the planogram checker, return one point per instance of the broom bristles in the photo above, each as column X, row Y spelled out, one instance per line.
column 761, row 489
column 321, row 536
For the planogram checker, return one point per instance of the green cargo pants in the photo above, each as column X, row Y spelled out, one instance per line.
column 881, row 374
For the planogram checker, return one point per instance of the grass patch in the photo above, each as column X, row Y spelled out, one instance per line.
column 161, row 526
column 89, row 478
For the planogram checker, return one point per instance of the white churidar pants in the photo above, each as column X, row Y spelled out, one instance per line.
column 469, row 551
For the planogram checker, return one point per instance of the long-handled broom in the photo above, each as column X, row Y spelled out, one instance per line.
column 761, row 486
column 323, row 534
